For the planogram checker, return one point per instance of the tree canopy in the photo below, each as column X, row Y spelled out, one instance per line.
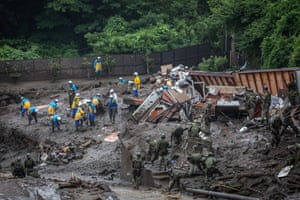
column 265, row 31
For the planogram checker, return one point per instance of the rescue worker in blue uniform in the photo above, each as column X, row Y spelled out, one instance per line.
column 112, row 108
column 91, row 112
column 24, row 106
column 55, row 122
column 72, row 92
column 32, row 114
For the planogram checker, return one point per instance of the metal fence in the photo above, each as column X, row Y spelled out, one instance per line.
column 79, row 67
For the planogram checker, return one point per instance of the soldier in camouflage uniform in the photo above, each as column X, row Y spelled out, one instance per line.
column 152, row 150
column 275, row 126
column 266, row 102
column 18, row 169
column 210, row 166
column 250, row 102
column 163, row 146
column 287, row 119
column 29, row 164
column 206, row 120
column 175, row 175
column 196, row 160
column 137, row 167
column 177, row 135
column 195, row 129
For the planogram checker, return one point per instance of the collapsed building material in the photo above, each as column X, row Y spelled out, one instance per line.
column 151, row 101
column 133, row 101
column 220, row 194
column 162, row 106
column 165, row 69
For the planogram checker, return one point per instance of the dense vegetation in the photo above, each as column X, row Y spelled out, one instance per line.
column 265, row 31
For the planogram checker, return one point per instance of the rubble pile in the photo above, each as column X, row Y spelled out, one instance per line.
column 244, row 159
column 64, row 153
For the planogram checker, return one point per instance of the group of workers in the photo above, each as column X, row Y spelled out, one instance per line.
column 203, row 158
column 20, row 170
column 81, row 109
column 251, row 102
column 30, row 111
column 277, row 122
column 159, row 150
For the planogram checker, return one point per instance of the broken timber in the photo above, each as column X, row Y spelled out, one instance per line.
column 133, row 101
column 162, row 106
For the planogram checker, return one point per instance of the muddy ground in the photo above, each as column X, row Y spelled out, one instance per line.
column 248, row 162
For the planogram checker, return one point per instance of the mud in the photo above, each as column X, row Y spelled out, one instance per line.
column 248, row 162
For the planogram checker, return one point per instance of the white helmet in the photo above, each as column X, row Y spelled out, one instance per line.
column 111, row 90
column 120, row 78
column 58, row 118
column 88, row 101
column 135, row 73
column 77, row 94
column 36, row 110
column 22, row 98
column 56, row 100
column 70, row 82
column 98, row 57
column 98, row 94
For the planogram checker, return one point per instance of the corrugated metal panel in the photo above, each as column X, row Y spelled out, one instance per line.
column 275, row 79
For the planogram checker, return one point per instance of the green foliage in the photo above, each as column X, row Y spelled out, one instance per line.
column 279, row 48
column 22, row 51
column 214, row 63
column 263, row 30
column 294, row 60
column 266, row 32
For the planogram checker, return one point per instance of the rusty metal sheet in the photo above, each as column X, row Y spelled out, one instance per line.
column 170, row 112
column 275, row 79
column 155, row 114
column 167, row 97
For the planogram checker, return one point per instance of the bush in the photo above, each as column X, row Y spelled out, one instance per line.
column 214, row 63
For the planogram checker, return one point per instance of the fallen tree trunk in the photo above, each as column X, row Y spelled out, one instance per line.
column 220, row 194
